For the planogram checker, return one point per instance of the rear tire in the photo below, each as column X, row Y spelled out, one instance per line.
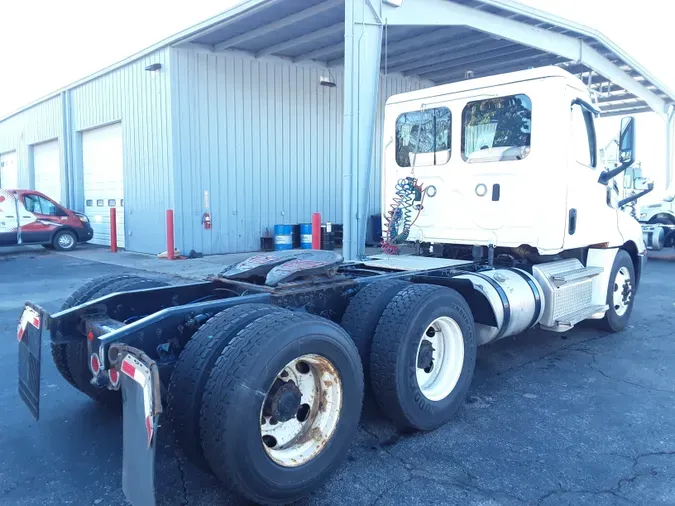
column 364, row 312
column 72, row 359
column 239, row 392
column 189, row 376
column 80, row 296
column 620, row 293
column 423, row 357
column 65, row 240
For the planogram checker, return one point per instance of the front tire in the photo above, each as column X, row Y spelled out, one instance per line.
column 281, row 407
column 620, row 293
column 423, row 357
column 65, row 240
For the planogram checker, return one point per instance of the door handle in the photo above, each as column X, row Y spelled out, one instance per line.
column 572, row 221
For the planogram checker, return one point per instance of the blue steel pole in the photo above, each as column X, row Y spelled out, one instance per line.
column 363, row 41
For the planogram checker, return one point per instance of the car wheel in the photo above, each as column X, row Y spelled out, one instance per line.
column 65, row 240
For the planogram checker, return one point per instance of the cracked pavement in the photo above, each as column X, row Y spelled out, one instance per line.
column 577, row 418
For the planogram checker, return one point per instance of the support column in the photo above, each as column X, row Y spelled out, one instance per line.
column 670, row 119
column 363, row 42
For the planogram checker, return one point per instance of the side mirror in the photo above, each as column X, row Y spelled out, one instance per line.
column 642, row 183
column 627, row 141
column 626, row 150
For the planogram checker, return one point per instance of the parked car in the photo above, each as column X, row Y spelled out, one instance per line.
column 30, row 217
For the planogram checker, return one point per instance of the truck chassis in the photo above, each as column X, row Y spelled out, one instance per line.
column 135, row 339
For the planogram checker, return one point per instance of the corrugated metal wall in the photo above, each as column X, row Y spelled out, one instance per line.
column 263, row 140
column 40, row 123
column 141, row 100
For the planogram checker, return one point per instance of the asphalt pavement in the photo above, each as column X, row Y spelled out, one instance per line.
column 580, row 418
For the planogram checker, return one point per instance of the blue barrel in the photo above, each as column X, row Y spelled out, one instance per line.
column 283, row 237
column 306, row 235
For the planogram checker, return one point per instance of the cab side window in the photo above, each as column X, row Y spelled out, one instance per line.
column 583, row 136
column 40, row 205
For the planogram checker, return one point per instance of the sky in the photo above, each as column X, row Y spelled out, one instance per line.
column 47, row 44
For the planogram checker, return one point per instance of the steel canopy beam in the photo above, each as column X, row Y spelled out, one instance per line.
column 304, row 39
column 324, row 51
column 625, row 112
column 477, row 60
column 415, row 56
column 444, row 13
column 241, row 11
column 640, row 104
column 277, row 25
column 448, row 55
column 410, row 44
column 497, row 68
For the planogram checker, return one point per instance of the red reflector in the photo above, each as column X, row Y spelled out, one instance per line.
column 114, row 376
column 90, row 336
column 128, row 369
column 95, row 363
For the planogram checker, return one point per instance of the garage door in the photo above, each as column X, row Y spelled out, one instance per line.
column 9, row 173
column 46, row 161
column 103, row 181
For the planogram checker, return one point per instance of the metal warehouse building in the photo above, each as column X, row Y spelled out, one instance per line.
column 234, row 116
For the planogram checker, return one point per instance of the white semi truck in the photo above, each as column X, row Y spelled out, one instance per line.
column 495, row 185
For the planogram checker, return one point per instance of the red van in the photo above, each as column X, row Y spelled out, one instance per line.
column 30, row 217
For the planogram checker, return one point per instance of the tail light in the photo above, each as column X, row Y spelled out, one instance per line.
column 94, row 364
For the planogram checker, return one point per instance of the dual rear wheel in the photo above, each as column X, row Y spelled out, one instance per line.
column 418, row 341
column 268, row 399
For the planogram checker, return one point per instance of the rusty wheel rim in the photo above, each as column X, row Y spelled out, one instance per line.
column 301, row 410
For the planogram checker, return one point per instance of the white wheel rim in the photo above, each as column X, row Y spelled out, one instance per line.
column 299, row 439
column 65, row 241
column 623, row 291
column 438, row 378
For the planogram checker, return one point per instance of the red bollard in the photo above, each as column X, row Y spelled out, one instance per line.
column 169, row 234
column 113, row 230
column 316, row 231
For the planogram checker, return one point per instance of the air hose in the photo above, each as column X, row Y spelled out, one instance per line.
column 399, row 218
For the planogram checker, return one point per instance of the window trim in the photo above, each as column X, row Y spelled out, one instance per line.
column 425, row 152
column 58, row 212
column 463, row 130
column 588, row 114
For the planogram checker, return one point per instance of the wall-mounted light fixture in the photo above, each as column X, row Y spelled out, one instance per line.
column 154, row 67
column 328, row 80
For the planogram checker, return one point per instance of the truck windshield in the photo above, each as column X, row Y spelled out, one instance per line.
column 497, row 129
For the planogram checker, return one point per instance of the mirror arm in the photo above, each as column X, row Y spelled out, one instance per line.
column 635, row 197
column 605, row 177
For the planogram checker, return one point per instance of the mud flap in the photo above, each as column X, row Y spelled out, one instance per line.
column 29, row 333
column 141, row 407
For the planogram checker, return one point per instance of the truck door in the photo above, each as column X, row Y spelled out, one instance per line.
column 9, row 221
column 39, row 218
column 590, row 220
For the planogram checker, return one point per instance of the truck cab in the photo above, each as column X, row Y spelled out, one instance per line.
column 30, row 217
column 507, row 161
